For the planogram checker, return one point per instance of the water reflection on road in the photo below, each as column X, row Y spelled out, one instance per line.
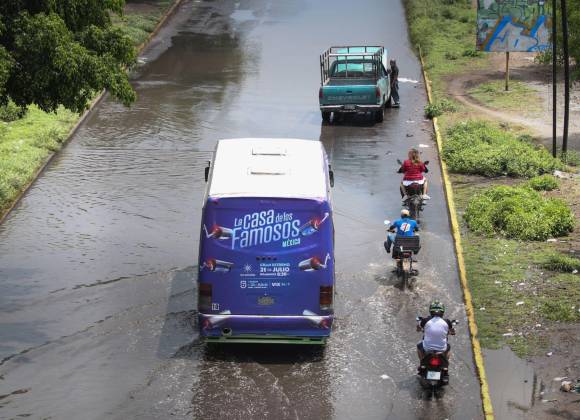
column 97, row 264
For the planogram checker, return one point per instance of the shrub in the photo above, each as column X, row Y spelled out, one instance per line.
column 558, row 311
column 11, row 112
column 571, row 158
column 471, row 52
column 519, row 213
column 438, row 108
column 451, row 56
column 560, row 262
column 479, row 148
column 543, row 183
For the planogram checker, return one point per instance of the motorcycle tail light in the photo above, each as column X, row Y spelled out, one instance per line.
column 204, row 297
column 325, row 298
column 435, row 362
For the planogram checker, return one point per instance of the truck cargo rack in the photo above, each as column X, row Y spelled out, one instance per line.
column 373, row 54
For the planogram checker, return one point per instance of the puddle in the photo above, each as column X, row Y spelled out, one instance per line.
column 512, row 383
column 241, row 16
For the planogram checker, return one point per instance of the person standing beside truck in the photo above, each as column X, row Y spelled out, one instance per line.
column 394, row 73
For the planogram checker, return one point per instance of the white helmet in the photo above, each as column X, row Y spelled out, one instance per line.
column 405, row 213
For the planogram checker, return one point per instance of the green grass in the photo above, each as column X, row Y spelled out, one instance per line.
column 138, row 26
column 494, row 95
column 24, row 146
column 444, row 31
column 26, row 143
column 504, row 272
column 558, row 262
column 501, row 272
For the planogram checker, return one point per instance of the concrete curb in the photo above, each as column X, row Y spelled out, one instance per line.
column 83, row 117
column 479, row 364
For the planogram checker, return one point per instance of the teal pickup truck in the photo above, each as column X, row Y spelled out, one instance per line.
column 354, row 79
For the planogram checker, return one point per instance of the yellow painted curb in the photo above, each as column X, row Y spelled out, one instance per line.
column 82, row 119
column 479, row 364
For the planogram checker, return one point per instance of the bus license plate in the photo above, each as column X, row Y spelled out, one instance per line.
column 265, row 300
column 435, row 376
column 349, row 107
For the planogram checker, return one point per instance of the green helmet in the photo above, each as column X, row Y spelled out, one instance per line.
column 436, row 307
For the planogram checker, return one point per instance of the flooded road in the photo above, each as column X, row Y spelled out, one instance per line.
column 98, row 262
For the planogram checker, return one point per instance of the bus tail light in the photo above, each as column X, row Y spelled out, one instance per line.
column 220, row 232
column 325, row 298
column 310, row 264
column 204, row 297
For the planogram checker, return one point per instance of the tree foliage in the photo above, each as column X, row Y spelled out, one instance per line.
column 61, row 52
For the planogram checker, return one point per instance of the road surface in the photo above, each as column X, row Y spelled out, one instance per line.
column 98, row 262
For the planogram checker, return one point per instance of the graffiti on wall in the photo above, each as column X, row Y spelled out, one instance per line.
column 513, row 25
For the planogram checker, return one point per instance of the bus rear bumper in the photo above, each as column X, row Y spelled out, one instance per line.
column 265, row 329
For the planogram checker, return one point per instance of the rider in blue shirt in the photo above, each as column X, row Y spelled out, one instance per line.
column 405, row 226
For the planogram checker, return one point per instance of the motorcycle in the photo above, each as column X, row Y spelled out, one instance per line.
column 434, row 368
column 404, row 247
column 414, row 202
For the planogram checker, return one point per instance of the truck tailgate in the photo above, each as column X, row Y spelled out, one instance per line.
column 349, row 94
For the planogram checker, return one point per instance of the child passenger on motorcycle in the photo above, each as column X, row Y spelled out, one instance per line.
column 435, row 331
column 405, row 226
column 412, row 170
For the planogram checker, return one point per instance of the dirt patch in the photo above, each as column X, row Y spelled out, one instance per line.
column 563, row 362
column 524, row 70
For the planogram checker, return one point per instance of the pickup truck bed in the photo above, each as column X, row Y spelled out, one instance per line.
column 354, row 79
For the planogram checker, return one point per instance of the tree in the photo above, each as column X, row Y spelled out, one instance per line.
column 61, row 52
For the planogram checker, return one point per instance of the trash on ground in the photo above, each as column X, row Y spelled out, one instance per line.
column 549, row 353
column 508, row 334
column 423, row 145
column 521, row 302
column 560, row 174
column 384, row 376
column 566, row 386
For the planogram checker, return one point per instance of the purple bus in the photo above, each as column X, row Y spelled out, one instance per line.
column 266, row 254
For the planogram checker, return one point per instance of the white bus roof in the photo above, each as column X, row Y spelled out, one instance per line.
column 276, row 168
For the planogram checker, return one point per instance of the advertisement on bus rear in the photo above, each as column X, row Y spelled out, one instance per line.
column 281, row 247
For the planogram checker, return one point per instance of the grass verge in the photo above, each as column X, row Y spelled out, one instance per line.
column 520, row 289
column 494, row 95
column 26, row 143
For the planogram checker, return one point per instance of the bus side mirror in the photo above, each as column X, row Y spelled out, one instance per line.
column 207, row 170
column 331, row 176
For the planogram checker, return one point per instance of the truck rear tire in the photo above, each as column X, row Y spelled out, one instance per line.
column 325, row 116
column 379, row 115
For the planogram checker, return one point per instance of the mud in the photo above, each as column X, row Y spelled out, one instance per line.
column 97, row 263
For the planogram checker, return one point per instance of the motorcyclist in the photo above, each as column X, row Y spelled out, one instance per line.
column 435, row 331
column 405, row 226
column 413, row 169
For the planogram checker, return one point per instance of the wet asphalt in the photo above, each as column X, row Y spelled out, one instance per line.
column 98, row 261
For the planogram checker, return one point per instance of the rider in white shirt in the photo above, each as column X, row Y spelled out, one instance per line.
column 435, row 332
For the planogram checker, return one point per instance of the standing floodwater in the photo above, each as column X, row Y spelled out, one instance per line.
column 97, row 264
